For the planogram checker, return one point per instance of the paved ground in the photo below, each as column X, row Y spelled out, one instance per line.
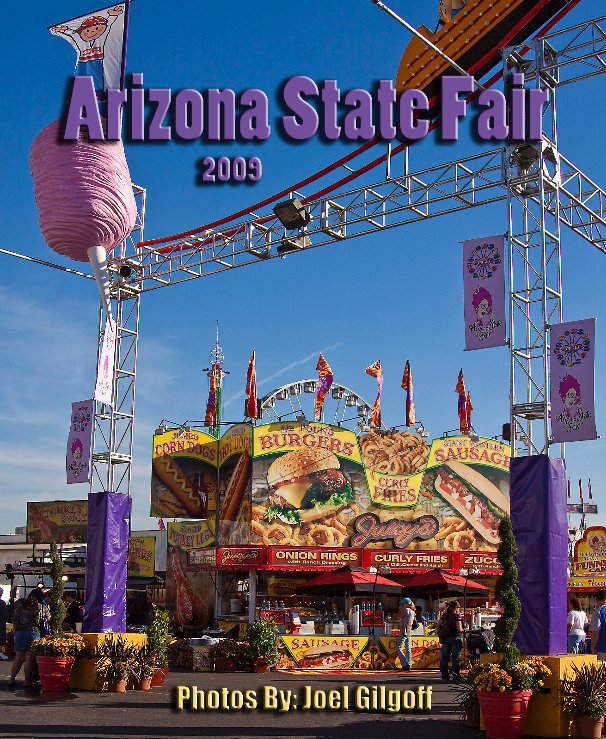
column 136, row 714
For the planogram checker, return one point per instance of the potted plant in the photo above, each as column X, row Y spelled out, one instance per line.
column 262, row 644
column 56, row 652
column 466, row 698
column 144, row 668
column 116, row 661
column 226, row 655
column 583, row 696
column 504, row 689
column 158, row 641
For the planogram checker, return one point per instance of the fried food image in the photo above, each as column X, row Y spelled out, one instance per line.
column 394, row 452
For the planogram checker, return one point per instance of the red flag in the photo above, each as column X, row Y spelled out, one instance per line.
column 375, row 371
column 590, row 494
column 462, row 405
column 407, row 386
column 468, row 409
column 251, row 409
column 581, row 490
column 210, row 419
column 324, row 384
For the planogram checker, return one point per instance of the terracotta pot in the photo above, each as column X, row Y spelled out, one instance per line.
column 55, row 672
column 260, row 665
column 589, row 728
column 504, row 713
column 145, row 683
column 159, row 677
column 119, row 686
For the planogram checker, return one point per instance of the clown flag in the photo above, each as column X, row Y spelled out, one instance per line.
column 210, row 419
column 80, row 441
column 250, row 407
column 407, row 387
column 324, row 385
column 571, row 392
column 462, row 406
column 375, row 371
column 484, row 293
column 99, row 39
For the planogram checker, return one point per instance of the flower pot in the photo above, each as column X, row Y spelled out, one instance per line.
column 145, row 683
column 119, row 686
column 55, row 672
column 225, row 664
column 260, row 665
column 589, row 728
column 159, row 677
column 504, row 713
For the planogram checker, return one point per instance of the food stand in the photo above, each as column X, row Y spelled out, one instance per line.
column 301, row 499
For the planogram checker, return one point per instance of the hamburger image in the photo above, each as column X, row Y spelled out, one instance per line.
column 330, row 657
column 305, row 485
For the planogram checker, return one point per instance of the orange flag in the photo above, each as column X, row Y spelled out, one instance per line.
column 324, row 384
column 375, row 370
column 210, row 419
column 250, row 408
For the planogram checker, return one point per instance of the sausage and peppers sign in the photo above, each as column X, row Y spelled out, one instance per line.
column 590, row 552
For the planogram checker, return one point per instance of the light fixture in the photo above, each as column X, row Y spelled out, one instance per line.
column 292, row 243
column 422, row 431
column 474, row 437
column 309, row 386
column 295, row 389
column 64, row 578
column 351, row 400
column 160, row 430
column 125, row 271
column 292, row 214
column 338, row 392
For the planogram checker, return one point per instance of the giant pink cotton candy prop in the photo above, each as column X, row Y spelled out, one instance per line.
column 84, row 195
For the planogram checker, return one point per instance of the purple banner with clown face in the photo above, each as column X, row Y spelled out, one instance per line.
column 484, row 293
column 572, row 368
column 79, row 442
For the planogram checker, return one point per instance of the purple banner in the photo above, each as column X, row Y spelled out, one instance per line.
column 79, row 442
column 572, row 365
column 106, row 563
column 484, row 293
column 540, row 525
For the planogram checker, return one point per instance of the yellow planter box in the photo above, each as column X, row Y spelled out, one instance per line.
column 84, row 676
column 545, row 715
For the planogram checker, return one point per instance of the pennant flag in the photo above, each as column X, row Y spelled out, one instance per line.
column 105, row 368
column 407, row 387
column 580, row 491
column 210, row 419
column 250, row 408
column 161, row 524
column 569, row 488
column 484, row 292
column 590, row 494
column 462, row 406
column 99, row 39
column 469, row 409
column 324, row 385
column 80, row 441
column 375, row 370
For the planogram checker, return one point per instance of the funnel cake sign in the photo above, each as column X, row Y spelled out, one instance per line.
column 590, row 552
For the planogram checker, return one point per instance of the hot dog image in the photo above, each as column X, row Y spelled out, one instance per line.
column 327, row 657
column 306, row 485
column 474, row 497
column 234, row 493
column 168, row 471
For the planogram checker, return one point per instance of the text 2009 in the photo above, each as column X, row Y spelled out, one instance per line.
column 225, row 169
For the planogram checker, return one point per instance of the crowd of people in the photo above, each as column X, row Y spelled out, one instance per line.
column 31, row 618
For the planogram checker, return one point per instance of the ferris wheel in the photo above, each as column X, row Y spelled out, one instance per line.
column 296, row 401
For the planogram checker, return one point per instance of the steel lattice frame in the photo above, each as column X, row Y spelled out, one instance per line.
column 551, row 192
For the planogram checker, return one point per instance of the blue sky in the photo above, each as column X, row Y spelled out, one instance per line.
column 392, row 296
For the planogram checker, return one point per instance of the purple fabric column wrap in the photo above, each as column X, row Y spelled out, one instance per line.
column 106, row 562
column 539, row 521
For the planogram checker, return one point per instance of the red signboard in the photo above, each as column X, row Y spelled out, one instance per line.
column 485, row 562
column 241, row 558
column 403, row 561
column 372, row 618
column 313, row 558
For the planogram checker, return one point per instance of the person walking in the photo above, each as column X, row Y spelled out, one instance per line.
column 450, row 633
column 27, row 618
column 4, row 617
column 577, row 621
column 598, row 627
column 407, row 617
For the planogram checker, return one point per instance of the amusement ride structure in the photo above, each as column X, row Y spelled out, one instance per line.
column 539, row 187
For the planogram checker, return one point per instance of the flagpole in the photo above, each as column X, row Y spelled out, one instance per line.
column 124, row 45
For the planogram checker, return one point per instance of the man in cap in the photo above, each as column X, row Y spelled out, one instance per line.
column 407, row 616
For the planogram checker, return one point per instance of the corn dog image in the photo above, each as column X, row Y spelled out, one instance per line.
column 169, row 472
